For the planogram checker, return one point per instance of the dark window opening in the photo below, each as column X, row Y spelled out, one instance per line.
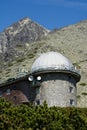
column 37, row 90
column 69, row 77
column 8, row 92
column 71, row 89
column 26, row 103
column 71, row 102
column 14, row 86
column 37, row 83
column 0, row 93
column 38, row 102
column 14, row 97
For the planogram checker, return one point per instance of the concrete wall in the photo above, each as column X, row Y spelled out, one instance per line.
column 57, row 89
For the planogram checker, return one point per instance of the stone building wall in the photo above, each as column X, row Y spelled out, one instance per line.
column 18, row 92
column 57, row 89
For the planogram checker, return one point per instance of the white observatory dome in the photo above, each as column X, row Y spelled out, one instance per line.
column 51, row 61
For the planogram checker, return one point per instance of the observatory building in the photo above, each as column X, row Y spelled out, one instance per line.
column 54, row 78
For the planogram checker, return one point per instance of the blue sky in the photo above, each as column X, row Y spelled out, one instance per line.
column 49, row 13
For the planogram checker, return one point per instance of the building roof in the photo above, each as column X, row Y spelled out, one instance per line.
column 52, row 61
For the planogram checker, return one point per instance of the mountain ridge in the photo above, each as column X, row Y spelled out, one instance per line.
column 18, row 34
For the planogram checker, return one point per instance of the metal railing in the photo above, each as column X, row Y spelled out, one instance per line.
column 56, row 67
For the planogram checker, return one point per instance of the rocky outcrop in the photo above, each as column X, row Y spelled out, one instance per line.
column 3, row 42
column 20, row 33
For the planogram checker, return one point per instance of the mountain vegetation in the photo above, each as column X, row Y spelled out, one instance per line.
column 25, row 40
column 28, row 117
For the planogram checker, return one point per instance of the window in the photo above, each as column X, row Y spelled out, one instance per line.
column 71, row 89
column 37, row 90
column 0, row 93
column 14, row 86
column 71, row 102
column 37, row 83
column 8, row 92
column 70, row 78
column 38, row 102
column 14, row 97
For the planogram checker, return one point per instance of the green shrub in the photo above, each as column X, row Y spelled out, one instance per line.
column 20, row 59
column 84, row 93
column 78, row 96
column 83, row 84
column 30, row 56
column 29, row 117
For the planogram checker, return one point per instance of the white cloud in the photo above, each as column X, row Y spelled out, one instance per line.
column 75, row 3
column 63, row 3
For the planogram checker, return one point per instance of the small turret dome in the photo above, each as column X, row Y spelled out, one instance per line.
column 51, row 61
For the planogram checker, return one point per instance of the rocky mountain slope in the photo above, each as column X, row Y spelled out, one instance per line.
column 17, row 35
column 70, row 41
